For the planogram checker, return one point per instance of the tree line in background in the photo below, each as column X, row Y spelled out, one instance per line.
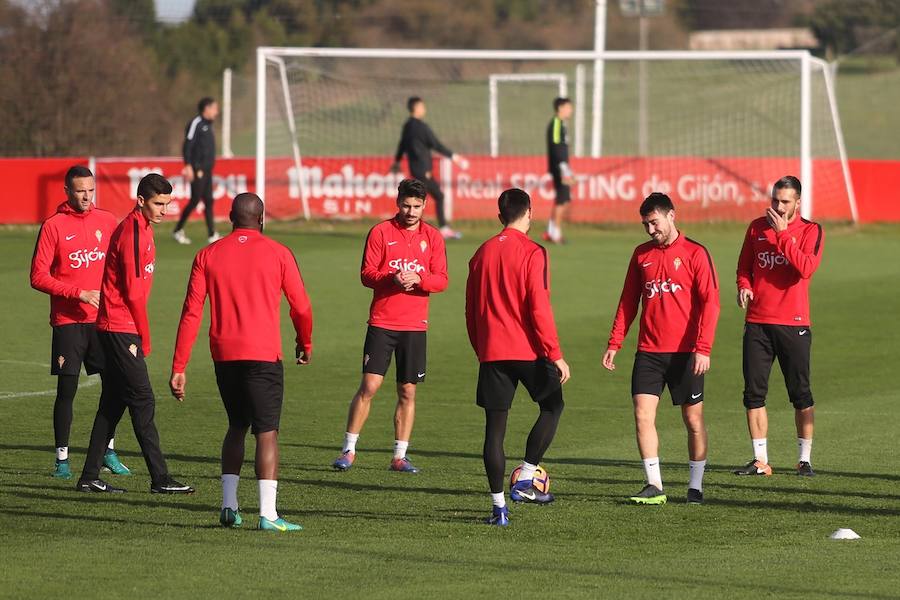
column 103, row 77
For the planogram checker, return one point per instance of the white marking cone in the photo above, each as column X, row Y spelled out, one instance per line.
column 845, row 534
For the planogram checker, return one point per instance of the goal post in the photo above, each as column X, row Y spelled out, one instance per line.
column 721, row 128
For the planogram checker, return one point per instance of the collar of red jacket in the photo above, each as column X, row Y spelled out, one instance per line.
column 66, row 209
column 678, row 241
column 247, row 231
column 513, row 231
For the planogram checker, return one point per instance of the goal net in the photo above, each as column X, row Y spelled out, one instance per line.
column 713, row 130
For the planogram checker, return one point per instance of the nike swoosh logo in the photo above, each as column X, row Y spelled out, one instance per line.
column 69, row 237
column 421, row 374
column 278, row 527
column 647, row 264
column 529, row 496
column 391, row 243
column 803, row 332
column 695, row 396
column 762, row 239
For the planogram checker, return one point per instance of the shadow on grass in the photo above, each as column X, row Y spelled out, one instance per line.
column 213, row 458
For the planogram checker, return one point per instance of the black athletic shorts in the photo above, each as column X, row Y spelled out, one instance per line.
column 563, row 191
column 498, row 380
column 653, row 371
column 791, row 345
column 409, row 346
column 73, row 345
column 252, row 392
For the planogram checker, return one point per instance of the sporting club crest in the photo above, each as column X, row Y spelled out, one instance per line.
column 677, row 262
column 423, row 244
column 133, row 349
column 61, row 361
column 99, row 235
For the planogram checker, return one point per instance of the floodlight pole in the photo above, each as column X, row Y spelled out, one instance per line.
column 597, row 103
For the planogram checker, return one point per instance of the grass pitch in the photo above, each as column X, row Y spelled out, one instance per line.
column 377, row 534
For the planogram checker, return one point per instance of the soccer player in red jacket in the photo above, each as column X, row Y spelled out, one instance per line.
column 673, row 277
column 124, row 332
column 244, row 275
column 68, row 265
column 404, row 262
column 511, row 328
column 781, row 252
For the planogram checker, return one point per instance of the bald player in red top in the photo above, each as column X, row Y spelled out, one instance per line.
column 404, row 262
column 244, row 275
column 674, row 278
column 781, row 252
column 511, row 328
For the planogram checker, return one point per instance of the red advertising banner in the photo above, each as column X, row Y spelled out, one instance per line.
column 607, row 189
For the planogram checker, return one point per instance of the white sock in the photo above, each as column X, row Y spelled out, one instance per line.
column 551, row 228
column 62, row 453
column 350, row 442
column 761, row 450
column 229, row 490
column 696, row 467
column 805, row 448
column 112, row 444
column 400, row 449
column 498, row 500
column 527, row 472
column 651, row 470
column 268, row 491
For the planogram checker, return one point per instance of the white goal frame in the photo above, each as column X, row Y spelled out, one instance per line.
column 267, row 54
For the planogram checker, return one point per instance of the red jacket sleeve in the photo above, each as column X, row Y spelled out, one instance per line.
column 471, row 299
column 804, row 254
column 134, row 288
column 628, row 304
column 372, row 253
column 706, row 286
column 745, row 262
column 191, row 315
column 537, row 296
column 301, row 309
column 436, row 279
column 42, row 260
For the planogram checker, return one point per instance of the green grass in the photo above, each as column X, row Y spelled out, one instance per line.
column 375, row 534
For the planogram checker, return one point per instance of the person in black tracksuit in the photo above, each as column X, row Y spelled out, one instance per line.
column 417, row 141
column 558, row 166
column 199, row 153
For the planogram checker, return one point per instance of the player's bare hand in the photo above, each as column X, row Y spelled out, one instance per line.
column 777, row 222
column 395, row 168
column 188, row 172
column 569, row 180
column 701, row 363
column 303, row 357
column 177, row 384
column 609, row 358
column 91, row 297
column 744, row 297
column 460, row 161
column 562, row 367
column 411, row 278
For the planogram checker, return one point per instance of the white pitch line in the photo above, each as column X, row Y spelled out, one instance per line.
column 92, row 380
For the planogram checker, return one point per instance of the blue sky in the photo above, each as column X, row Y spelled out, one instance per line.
column 173, row 10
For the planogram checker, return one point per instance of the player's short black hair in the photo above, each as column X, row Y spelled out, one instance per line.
column 76, row 171
column 203, row 103
column 656, row 201
column 787, row 182
column 559, row 101
column 411, row 102
column 410, row 188
column 513, row 204
column 153, row 184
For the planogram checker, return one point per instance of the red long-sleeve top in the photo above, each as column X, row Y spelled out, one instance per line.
column 508, row 312
column 128, row 278
column 244, row 275
column 68, row 258
column 391, row 248
column 679, row 291
column 778, row 267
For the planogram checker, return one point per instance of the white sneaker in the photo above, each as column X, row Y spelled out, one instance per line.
column 449, row 233
column 214, row 238
column 180, row 237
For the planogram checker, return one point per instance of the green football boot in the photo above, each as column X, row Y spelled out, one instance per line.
column 112, row 464
column 230, row 518
column 278, row 524
column 649, row 495
column 62, row 471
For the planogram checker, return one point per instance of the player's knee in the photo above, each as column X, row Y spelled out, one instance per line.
column 802, row 401
column 406, row 393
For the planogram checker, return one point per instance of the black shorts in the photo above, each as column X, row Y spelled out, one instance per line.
column 409, row 346
column 653, row 371
column 252, row 392
column 791, row 345
column 563, row 191
column 73, row 345
column 498, row 380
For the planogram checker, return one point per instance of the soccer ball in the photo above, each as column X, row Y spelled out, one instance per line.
column 541, row 480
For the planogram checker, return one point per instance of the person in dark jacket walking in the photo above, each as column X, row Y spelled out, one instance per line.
column 199, row 153
column 417, row 141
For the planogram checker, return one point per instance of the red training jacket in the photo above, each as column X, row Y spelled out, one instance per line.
column 508, row 312
column 778, row 269
column 244, row 275
column 127, row 279
column 68, row 259
column 678, row 288
column 391, row 248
